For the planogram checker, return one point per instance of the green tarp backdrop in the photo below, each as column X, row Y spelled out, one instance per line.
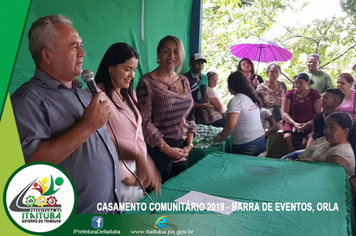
column 100, row 23
column 139, row 23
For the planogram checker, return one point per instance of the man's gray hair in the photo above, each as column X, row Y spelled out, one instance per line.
column 43, row 35
column 314, row 55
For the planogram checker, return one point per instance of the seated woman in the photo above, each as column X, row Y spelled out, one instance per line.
column 273, row 92
column 330, row 101
column 115, row 77
column 246, row 67
column 243, row 118
column 336, row 145
column 166, row 103
column 345, row 83
column 299, row 106
column 218, row 110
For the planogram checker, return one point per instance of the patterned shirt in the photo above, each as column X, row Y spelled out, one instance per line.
column 43, row 109
column 272, row 100
column 165, row 112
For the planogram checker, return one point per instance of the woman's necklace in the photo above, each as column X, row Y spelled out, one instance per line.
column 302, row 96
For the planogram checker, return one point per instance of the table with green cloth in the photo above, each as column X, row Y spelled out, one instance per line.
column 204, row 143
column 261, row 181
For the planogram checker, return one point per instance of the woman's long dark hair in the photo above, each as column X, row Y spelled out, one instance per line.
column 117, row 53
column 238, row 83
column 250, row 62
column 345, row 121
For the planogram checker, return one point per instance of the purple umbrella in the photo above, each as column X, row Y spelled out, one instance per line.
column 262, row 50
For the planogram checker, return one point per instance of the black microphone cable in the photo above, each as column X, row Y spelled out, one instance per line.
column 88, row 77
column 123, row 161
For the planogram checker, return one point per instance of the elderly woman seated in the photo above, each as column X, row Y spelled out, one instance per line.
column 273, row 92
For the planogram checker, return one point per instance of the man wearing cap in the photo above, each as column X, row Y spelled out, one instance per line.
column 322, row 80
column 198, row 86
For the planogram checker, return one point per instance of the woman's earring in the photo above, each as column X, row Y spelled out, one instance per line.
column 157, row 61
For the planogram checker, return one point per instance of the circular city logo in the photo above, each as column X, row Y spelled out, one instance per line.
column 39, row 197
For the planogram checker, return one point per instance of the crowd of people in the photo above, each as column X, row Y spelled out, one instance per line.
column 151, row 131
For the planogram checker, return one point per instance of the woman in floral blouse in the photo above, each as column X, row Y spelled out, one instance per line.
column 273, row 92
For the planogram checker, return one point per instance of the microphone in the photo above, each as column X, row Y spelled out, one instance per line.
column 88, row 78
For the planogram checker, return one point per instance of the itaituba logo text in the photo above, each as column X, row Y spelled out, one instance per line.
column 38, row 202
column 39, row 197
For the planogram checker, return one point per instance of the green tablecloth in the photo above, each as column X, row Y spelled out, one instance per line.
column 256, row 180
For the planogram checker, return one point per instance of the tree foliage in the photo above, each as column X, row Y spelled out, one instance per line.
column 349, row 6
column 232, row 3
column 226, row 24
column 223, row 26
column 333, row 39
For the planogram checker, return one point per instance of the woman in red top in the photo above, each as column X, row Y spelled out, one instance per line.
column 299, row 106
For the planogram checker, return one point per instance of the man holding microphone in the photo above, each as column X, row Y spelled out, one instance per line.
column 59, row 123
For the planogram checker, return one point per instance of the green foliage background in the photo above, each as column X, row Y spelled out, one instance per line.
column 227, row 22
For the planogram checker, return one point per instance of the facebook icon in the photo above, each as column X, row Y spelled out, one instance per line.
column 97, row 222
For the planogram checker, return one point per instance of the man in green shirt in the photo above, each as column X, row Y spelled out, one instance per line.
column 199, row 86
column 322, row 80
